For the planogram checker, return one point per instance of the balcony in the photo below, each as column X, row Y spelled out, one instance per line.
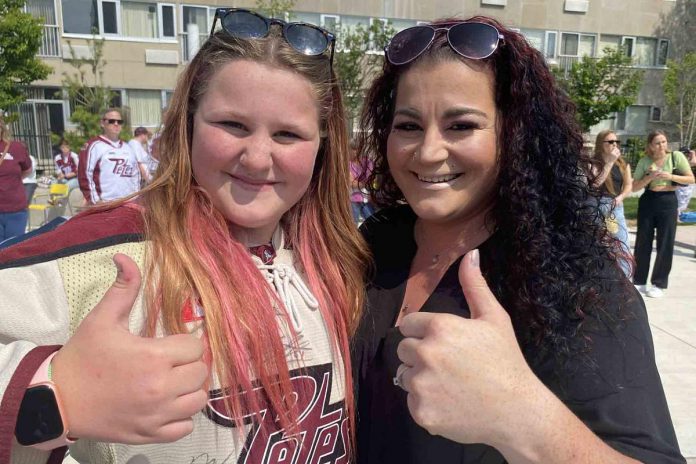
column 50, row 42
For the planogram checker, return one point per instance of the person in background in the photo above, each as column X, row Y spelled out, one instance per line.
column 660, row 172
column 615, row 183
column 139, row 145
column 15, row 164
column 499, row 326
column 108, row 169
column 360, row 169
column 684, row 192
column 30, row 181
column 66, row 162
column 235, row 348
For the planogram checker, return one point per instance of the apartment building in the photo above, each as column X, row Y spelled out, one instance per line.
column 148, row 42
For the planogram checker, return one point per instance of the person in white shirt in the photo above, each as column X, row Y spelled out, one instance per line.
column 108, row 168
column 138, row 144
column 30, row 181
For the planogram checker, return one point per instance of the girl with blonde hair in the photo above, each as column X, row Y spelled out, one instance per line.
column 236, row 347
column 615, row 183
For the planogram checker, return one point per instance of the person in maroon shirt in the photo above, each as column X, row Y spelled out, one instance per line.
column 15, row 164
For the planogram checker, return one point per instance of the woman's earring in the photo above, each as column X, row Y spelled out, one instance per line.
column 415, row 154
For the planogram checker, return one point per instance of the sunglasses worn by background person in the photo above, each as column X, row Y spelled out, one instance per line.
column 470, row 39
column 307, row 39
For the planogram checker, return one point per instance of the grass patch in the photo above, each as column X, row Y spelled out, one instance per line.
column 631, row 207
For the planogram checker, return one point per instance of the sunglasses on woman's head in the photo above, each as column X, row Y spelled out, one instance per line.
column 307, row 39
column 469, row 39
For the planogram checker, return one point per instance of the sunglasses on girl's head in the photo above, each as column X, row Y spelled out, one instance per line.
column 471, row 40
column 307, row 39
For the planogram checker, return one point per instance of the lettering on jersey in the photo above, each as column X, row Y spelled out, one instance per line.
column 122, row 168
column 322, row 430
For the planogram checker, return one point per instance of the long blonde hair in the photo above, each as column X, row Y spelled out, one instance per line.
column 620, row 162
column 193, row 253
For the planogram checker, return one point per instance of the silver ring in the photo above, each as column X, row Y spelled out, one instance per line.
column 398, row 378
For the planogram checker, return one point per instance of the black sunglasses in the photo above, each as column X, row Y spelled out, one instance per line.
column 612, row 142
column 470, row 39
column 307, row 39
column 114, row 121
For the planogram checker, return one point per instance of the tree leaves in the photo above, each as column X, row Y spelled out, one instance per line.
column 601, row 86
column 20, row 40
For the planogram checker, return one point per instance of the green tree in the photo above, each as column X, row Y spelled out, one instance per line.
column 20, row 40
column 275, row 8
column 88, row 95
column 680, row 92
column 356, row 59
column 601, row 86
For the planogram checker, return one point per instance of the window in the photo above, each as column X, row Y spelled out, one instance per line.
column 550, row 46
column 608, row 41
column 119, row 17
column 139, row 19
column 44, row 9
column 662, row 52
column 80, row 16
column 637, row 119
column 621, row 120
column 628, row 43
column 655, row 113
column 166, row 98
column 401, row 24
column 569, row 44
column 330, row 22
column 109, row 17
column 535, row 38
column 304, row 17
column 50, row 40
column 145, row 107
column 195, row 30
column 380, row 24
column 645, row 51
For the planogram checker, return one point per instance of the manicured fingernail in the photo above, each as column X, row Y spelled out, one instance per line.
column 474, row 257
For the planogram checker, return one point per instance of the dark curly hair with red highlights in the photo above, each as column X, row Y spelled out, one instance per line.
column 553, row 249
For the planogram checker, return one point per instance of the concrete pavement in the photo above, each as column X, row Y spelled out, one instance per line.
column 673, row 324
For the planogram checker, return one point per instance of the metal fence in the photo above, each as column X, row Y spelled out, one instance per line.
column 39, row 147
column 50, row 41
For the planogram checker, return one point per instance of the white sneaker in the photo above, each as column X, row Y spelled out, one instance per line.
column 641, row 288
column 655, row 292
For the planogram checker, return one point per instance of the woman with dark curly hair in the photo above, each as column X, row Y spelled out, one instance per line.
column 499, row 326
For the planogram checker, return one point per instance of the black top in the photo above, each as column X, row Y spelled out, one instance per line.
column 621, row 399
column 617, row 177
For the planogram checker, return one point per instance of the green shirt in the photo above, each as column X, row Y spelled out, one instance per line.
column 682, row 165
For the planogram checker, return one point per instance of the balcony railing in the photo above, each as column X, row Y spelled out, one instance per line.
column 50, row 42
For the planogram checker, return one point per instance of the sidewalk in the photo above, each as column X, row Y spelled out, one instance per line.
column 673, row 324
